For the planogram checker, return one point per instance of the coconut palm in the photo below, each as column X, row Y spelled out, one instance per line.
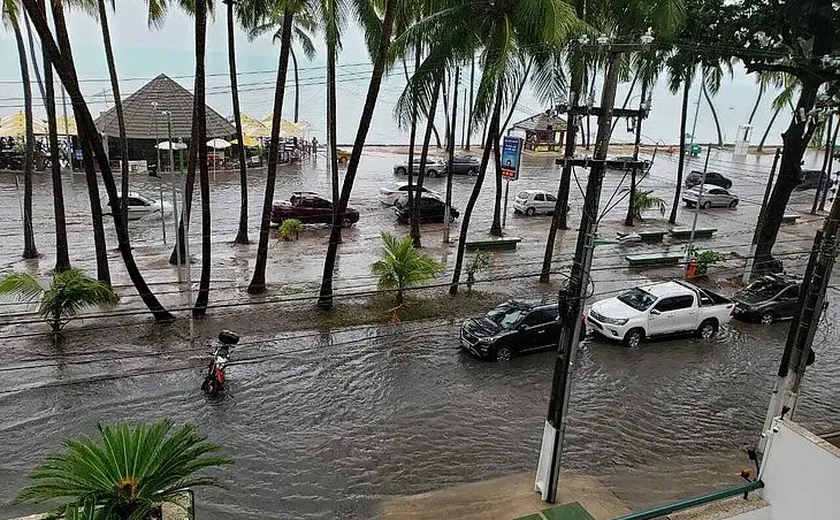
column 69, row 292
column 402, row 265
column 643, row 201
column 62, row 61
column 379, row 31
column 789, row 85
column 11, row 19
column 128, row 472
column 200, row 148
column 242, row 232
column 62, row 254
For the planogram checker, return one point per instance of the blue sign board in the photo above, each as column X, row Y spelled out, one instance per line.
column 511, row 156
column 78, row 154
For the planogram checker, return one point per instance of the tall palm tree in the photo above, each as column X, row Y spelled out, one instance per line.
column 677, row 80
column 128, row 472
column 200, row 147
column 62, row 253
column 11, row 19
column 257, row 285
column 381, row 33
column 332, row 20
column 424, row 154
column 789, row 85
column 242, row 231
column 63, row 63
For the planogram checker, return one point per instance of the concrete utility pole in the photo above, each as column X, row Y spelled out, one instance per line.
column 451, row 153
column 748, row 268
column 689, row 250
column 801, row 335
column 572, row 299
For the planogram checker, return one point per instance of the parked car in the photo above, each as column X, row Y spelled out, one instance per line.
column 511, row 329
column 531, row 202
column 465, row 165
column 695, row 178
column 434, row 167
column 310, row 208
column 389, row 195
column 712, row 196
column 430, row 209
column 139, row 206
column 661, row 309
column 623, row 158
column 812, row 179
column 770, row 298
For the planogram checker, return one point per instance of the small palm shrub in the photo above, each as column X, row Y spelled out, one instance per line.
column 290, row 227
column 402, row 265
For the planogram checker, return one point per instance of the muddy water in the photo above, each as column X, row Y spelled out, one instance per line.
column 326, row 424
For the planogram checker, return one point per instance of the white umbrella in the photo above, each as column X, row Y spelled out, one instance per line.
column 217, row 144
column 166, row 145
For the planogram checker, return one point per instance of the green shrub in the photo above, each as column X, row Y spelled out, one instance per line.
column 289, row 227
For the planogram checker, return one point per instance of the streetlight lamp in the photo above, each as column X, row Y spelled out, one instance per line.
column 157, row 170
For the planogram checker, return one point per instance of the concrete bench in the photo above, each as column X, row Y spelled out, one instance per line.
column 790, row 218
column 652, row 237
column 655, row 259
column 497, row 244
column 685, row 234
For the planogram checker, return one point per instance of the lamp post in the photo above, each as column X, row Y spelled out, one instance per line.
column 157, row 172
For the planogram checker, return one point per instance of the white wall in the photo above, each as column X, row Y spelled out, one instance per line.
column 801, row 474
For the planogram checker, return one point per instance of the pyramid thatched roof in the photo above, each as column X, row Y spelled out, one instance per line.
column 170, row 96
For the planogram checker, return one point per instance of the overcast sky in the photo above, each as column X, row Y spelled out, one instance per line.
column 142, row 53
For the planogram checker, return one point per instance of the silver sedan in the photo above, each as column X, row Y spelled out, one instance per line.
column 712, row 196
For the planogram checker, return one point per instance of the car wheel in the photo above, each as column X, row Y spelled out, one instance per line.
column 432, row 173
column 707, row 329
column 767, row 318
column 690, row 205
column 401, row 171
column 733, row 204
column 516, row 212
column 346, row 222
column 503, row 354
column 530, row 212
column 707, row 204
column 472, row 172
column 634, row 338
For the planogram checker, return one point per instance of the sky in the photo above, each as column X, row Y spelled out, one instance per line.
column 142, row 53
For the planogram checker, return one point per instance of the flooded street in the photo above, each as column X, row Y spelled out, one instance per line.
column 328, row 424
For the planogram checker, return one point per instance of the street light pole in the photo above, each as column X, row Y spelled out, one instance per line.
column 157, row 172
column 174, row 195
column 447, row 207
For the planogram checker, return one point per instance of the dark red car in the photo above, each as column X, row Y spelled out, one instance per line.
column 310, row 208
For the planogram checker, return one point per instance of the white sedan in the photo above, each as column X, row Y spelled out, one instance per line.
column 389, row 195
column 712, row 196
column 531, row 202
column 139, row 206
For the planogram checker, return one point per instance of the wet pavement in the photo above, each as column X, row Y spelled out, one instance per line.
column 333, row 423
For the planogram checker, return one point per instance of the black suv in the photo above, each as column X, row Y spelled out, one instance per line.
column 812, row 179
column 768, row 299
column 511, row 329
column 429, row 208
column 695, row 178
column 465, row 165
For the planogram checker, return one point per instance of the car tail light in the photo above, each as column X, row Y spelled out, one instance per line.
column 386, row 192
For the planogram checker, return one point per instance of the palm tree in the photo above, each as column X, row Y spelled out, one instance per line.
column 708, row 99
column 128, row 472
column 62, row 254
column 70, row 291
column 242, row 232
column 675, row 80
column 380, row 32
column 402, row 265
column 63, row 63
column 11, row 19
column 789, row 85
column 257, row 285
column 200, row 148
column 644, row 201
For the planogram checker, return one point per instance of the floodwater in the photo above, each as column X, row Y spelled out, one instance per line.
column 325, row 424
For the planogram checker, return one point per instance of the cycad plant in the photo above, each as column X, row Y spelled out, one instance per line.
column 402, row 265
column 69, row 293
column 127, row 473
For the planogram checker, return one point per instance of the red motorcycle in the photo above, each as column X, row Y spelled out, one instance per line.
column 214, row 381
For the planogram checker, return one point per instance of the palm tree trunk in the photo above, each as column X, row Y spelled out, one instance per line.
column 29, row 249
column 65, row 69
column 761, row 90
column 297, row 83
column 496, row 227
column 32, row 52
column 200, row 308
column 412, row 200
column 493, row 129
column 470, row 118
column 447, row 126
column 414, row 215
column 242, row 233
column 85, row 134
column 257, row 285
column 332, row 121
column 325, row 299
column 769, row 127
column 714, row 112
column 681, row 164
column 115, row 88
column 62, row 254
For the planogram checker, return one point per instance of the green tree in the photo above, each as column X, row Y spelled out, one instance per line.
column 127, row 473
column 199, row 147
column 70, row 291
column 645, row 201
column 402, row 265
column 242, row 230
column 11, row 19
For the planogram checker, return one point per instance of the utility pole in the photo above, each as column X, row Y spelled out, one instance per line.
column 830, row 168
column 822, row 187
column 448, row 206
column 748, row 268
column 571, row 299
column 464, row 121
column 643, row 105
column 689, row 250
column 797, row 351
column 470, row 117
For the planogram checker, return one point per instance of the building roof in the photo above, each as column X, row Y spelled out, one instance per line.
column 140, row 114
column 15, row 126
column 541, row 122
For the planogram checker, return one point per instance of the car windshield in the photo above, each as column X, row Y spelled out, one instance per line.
column 637, row 298
column 506, row 316
column 764, row 289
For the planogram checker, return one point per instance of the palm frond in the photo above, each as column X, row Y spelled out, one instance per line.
column 22, row 285
column 401, row 265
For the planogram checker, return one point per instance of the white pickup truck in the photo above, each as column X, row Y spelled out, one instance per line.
column 660, row 309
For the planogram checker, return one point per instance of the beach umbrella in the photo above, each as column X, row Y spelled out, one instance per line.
column 305, row 126
column 249, row 142
column 253, row 128
column 217, row 144
column 166, row 145
column 15, row 126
